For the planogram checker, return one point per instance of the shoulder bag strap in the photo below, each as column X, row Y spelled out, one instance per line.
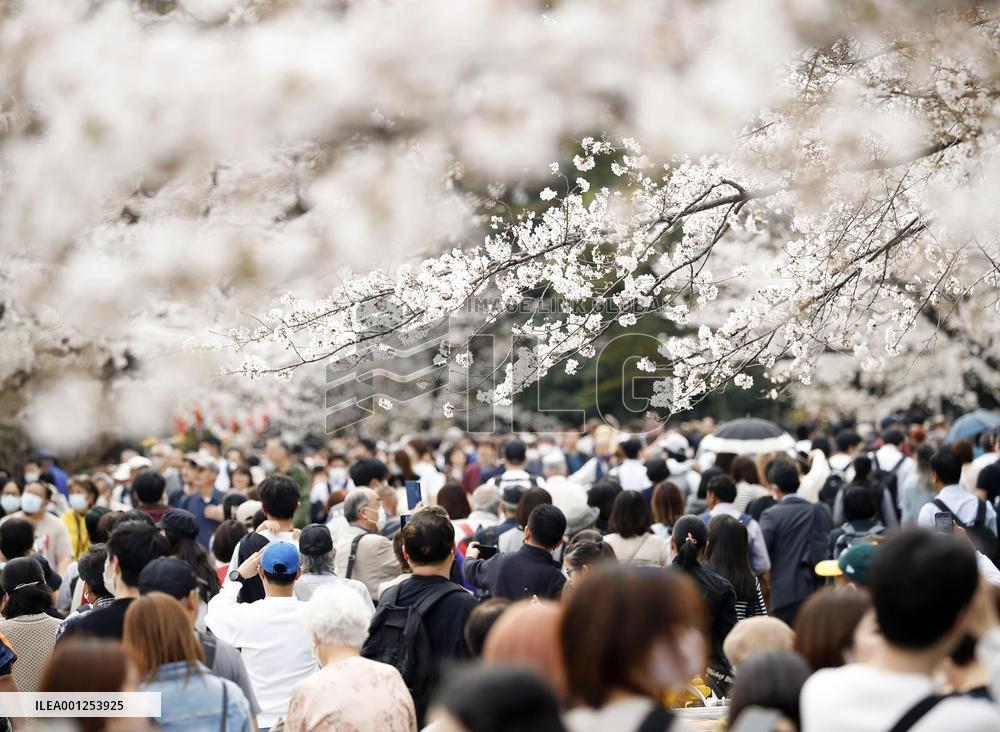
column 980, row 514
column 658, row 720
column 898, row 463
column 917, row 712
column 225, row 707
column 354, row 554
column 432, row 598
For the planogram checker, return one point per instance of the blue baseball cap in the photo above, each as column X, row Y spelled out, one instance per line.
column 280, row 557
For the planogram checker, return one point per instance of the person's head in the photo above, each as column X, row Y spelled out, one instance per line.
column 825, row 626
column 771, row 680
column 667, row 504
column 744, row 470
column 946, row 466
column 10, row 496
column 514, row 454
column 848, row 441
column 131, row 546
column 689, row 540
column 279, row 497
column 93, row 522
column 487, row 453
column 83, row 494
column 35, row 499
column 481, row 620
column 178, row 526
column 910, row 616
column 486, row 498
column 527, row 636
column 630, row 515
column 208, row 471
column 530, row 500
column 91, row 569
column 390, row 499
column 316, row 548
column 230, row 502
column 148, row 488
column 721, row 489
column 242, row 478
column 631, row 448
column 211, row 444
column 429, row 540
column 453, row 499
column 602, row 496
column 546, row 527
column 17, row 537
column 278, row 452
column 893, row 437
column 336, row 619
column 496, row 699
column 553, row 464
column 174, row 577
column 158, row 631
column 858, row 504
column 280, row 566
column 368, row 473
column 225, row 539
column 784, row 478
column 965, row 451
column 584, row 555
column 862, row 465
column 756, row 635
column 705, row 479
column 361, row 507
column 635, row 630
column 728, row 553
column 24, row 588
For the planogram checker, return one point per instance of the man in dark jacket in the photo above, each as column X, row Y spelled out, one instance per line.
column 530, row 571
column 796, row 533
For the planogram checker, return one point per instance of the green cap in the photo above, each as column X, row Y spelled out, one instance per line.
column 856, row 562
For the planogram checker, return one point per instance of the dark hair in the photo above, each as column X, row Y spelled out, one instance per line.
column 744, row 470
column 547, row 525
column 33, row 597
column 93, row 521
column 91, row 569
column 824, row 628
column 705, row 478
column 135, row 515
column 858, row 504
column 88, row 665
column 106, row 524
column 728, row 553
column 229, row 503
column 530, row 500
column 480, row 621
column 610, row 624
column 189, row 550
column 822, row 444
column 279, row 496
column 602, row 496
column 514, row 452
column 964, row 450
column 947, row 466
column 893, row 437
column 429, row 538
column 587, row 553
column 245, row 470
column 453, row 499
column 225, row 539
column 630, row 515
column 774, row 680
column 848, row 439
column 862, row 465
column 148, row 486
column 690, row 550
column 499, row 698
column 365, row 470
column 785, row 476
column 280, row 578
column 905, row 567
column 723, row 487
column 668, row 503
column 397, row 549
column 17, row 536
column 632, row 447
column 210, row 439
column 135, row 544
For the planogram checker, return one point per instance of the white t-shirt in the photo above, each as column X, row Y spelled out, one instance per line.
column 865, row 699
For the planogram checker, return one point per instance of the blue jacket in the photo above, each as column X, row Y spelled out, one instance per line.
column 193, row 702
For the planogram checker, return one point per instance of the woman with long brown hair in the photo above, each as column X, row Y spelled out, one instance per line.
column 169, row 658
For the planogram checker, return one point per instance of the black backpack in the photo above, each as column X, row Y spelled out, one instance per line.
column 831, row 487
column 887, row 480
column 397, row 636
column 982, row 538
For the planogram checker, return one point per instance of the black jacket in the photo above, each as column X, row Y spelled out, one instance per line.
column 720, row 602
column 797, row 535
column 529, row 571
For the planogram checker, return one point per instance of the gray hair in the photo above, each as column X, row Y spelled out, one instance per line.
column 486, row 498
column 355, row 501
column 337, row 616
column 321, row 564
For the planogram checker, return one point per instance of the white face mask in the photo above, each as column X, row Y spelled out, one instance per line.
column 10, row 503
column 338, row 476
column 78, row 502
column 31, row 477
column 109, row 576
column 379, row 520
column 30, row 503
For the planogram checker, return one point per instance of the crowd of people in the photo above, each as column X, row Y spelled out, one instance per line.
column 594, row 581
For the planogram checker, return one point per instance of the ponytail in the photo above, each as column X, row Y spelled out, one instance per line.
column 691, row 536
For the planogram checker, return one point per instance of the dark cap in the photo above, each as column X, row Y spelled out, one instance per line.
column 180, row 522
column 171, row 575
column 512, row 494
column 315, row 540
column 657, row 470
column 21, row 572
